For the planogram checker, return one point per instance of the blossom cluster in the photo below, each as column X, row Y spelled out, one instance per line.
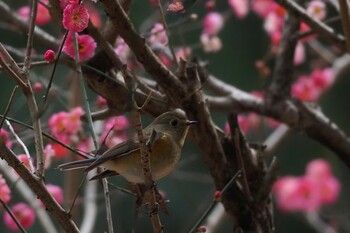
column 309, row 192
column 66, row 126
column 76, row 19
column 310, row 87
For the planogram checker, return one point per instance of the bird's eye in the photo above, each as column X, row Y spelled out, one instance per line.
column 174, row 122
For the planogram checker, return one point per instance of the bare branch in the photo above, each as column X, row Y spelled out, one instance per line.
column 283, row 77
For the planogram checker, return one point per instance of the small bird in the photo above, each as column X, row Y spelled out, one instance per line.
column 124, row 159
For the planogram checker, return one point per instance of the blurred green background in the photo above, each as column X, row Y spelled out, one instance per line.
column 190, row 187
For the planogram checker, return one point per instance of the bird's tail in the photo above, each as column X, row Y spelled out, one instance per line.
column 76, row 164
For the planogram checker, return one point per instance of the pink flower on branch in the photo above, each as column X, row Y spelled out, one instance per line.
column 64, row 125
column 323, row 79
column 56, row 191
column 5, row 136
column 23, row 213
column 317, row 9
column 210, row 44
column 158, row 35
column 64, row 3
column 42, row 15
column 114, row 130
column 86, row 46
column 75, row 17
column 212, row 23
column 49, row 55
column 5, row 192
column 239, row 7
column 175, row 6
column 310, row 192
column 310, row 88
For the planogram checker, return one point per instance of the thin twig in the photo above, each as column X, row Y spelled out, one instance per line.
column 283, row 78
column 12, row 68
column 54, row 69
column 94, row 137
column 77, row 192
column 7, row 109
column 165, row 25
column 236, row 137
column 29, row 47
column 213, row 203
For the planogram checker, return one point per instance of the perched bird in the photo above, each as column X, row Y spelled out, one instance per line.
column 124, row 159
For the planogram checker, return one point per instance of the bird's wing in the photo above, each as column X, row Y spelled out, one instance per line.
column 104, row 174
column 76, row 164
column 123, row 149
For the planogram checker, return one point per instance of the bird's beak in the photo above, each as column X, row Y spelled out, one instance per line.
column 191, row 122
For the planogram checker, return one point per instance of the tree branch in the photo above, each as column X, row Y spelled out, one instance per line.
column 39, row 189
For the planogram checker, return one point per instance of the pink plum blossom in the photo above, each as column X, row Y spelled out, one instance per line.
column 24, row 159
column 49, row 55
column 56, row 191
column 175, row 6
column 75, row 17
column 310, row 192
column 239, row 7
column 304, row 88
column 245, row 122
column 212, row 23
column 49, row 153
column 210, row 5
column 318, row 169
column 310, row 88
column 296, row 194
column 64, row 3
column 122, row 50
column 63, row 125
column 317, row 9
column 5, row 136
column 94, row 16
column 263, row 7
column 60, row 152
column 273, row 23
column 42, row 15
column 114, row 130
column 86, row 46
column 210, row 44
column 37, row 87
column 101, row 102
column 323, row 79
column 183, row 52
column 299, row 54
column 85, row 145
column 164, row 58
column 158, row 35
column 23, row 213
column 5, row 192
